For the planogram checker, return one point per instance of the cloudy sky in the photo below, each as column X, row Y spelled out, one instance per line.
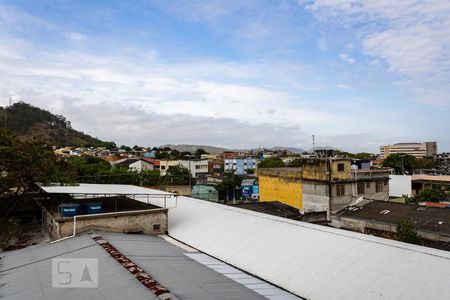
column 357, row 74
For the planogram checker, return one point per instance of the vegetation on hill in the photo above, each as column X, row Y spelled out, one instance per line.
column 28, row 121
column 405, row 163
column 26, row 161
column 272, row 162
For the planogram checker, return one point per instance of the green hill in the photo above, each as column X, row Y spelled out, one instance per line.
column 28, row 121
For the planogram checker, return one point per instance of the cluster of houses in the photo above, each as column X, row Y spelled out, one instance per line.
column 324, row 187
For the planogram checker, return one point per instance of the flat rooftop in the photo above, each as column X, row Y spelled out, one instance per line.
column 434, row 178
column 109, row 205
column 274, row 208
column 185, row 272
column 103, row 189
column 424, row 218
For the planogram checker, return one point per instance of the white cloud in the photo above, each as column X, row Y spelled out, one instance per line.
column 76, row 36
column 346, row 58
column 411, row 36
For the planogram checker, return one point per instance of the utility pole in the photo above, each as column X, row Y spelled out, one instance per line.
column 190, row 174
column 314, row 142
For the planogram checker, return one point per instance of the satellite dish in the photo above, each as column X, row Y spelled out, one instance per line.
column 354, row 167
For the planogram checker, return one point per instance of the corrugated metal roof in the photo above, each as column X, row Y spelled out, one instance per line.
column 110, row 189
column 26, row 273
column 312, row 261
column 183, row 273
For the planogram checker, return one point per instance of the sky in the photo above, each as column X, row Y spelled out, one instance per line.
column 235, row 74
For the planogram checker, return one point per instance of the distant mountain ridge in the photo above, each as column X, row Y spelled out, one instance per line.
column 295, row 150
column 29, row 121
column 193, row 148
column 216, row 150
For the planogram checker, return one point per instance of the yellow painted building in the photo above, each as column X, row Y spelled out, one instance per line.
column 290, row 185
column 281, row 184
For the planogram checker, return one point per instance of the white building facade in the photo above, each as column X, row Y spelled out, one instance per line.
column 196, row 166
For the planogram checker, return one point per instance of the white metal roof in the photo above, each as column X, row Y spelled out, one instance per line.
column 312, row 261
column 102, row 189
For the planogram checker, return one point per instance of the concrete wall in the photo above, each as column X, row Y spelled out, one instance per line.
column 315, row 196
column 183, row 190
column 370, row 191
column 281, row 184
column 341, row 175
column 399, row 185
column 153, row 221
column 315, row 169
column 366, row 225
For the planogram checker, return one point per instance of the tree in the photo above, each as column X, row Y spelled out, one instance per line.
column 25, row 162
column 271, row 162
column 198, row 153
column 400, row 162
column 362, row 155
column 430, row 194
column 426, row 163
column 295, row 163
column 406, row 232
column 229, row 184
column 177, row 175
column 88, row 166
column 174, row 154
column 109, row 145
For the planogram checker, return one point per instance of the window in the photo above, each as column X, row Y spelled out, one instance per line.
column 340, row 190
column 379, row 187
column 340, row 167
column 163, row 167
column 360, row 188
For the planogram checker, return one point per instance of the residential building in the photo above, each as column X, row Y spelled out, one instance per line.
column 420, row 182
column 240, row 165
column 164, row 165
column 209, row 156
column 215, row 166
column 322, row 184
column 381, row 218
column 229, row 154
column 418, row 150
column 196, row 166
column 138, row 164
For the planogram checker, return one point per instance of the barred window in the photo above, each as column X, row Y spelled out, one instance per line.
column 379, row 187
column 360, row 188
column 340, row 190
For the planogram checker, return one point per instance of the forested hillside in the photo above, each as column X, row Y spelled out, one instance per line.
column 26, row 120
